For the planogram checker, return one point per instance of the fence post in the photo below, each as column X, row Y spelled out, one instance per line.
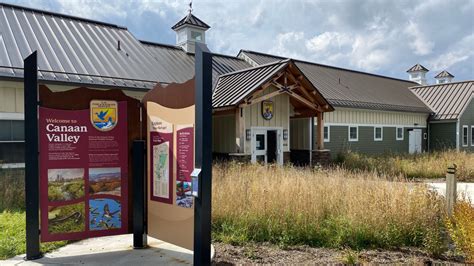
column 451, row 189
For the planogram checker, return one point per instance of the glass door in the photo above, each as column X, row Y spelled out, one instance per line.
column 259, row 146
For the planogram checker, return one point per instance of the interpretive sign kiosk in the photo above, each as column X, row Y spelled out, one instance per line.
column 79, row 171
column 170, row 150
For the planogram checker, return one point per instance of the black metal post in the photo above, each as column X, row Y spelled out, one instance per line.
column 203, row 157
column 30, row 78
column 139, row 195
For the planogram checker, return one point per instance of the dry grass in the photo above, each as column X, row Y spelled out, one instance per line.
column 424, row 166
column 12, row 189
column 334, row 208
column 461, row 229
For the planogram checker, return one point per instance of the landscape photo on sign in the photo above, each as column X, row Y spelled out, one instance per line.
column 104, row 214
column 267, row 110
column 184, row 194
column 65, row 184
column 105, row 181
column 68, row 218
column 103, row 114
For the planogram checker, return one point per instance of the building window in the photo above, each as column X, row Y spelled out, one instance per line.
column 12, row 130
column 326, row 134
column 197, row 36
column 353, row 133
column 378, row 133
column 472, row 135
column 464, row 135
column 399, row 133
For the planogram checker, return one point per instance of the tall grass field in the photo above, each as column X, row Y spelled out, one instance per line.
column 332, row 208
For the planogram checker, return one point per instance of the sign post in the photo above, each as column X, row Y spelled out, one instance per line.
column 139, row 201
column 31, row 158
column 203, row 155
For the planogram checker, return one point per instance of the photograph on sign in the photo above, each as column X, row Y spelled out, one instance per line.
column 104, row 214
column 68, row 218
column 105, row 181
column 65, row 184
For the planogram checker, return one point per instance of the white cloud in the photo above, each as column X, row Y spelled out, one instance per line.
column 328, row 40
column 420, row 44
column 457, row 53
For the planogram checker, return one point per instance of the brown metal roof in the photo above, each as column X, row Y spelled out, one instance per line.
column 232, row 88
column 72, row 50
column 417, row 68
column 190, row 19
column 353, row 89
column 444, row 74
column 447, row 100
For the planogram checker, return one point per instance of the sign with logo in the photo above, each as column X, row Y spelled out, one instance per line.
column 267, row 110
column 83, row 170
column 103, row 114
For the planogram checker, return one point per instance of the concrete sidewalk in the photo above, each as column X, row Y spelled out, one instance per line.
column 112, row 250
column 466, row 189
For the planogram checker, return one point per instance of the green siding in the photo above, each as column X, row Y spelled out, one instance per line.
column 467, row 118
column 442, row 136
column 366, row 143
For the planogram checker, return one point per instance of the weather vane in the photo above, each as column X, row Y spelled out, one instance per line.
column 190, row 6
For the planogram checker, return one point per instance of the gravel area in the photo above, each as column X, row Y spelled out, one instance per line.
column 303, row 255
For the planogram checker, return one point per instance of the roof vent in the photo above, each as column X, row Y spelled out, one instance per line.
column 118, row 45
column 444, row 77
column 417, row 73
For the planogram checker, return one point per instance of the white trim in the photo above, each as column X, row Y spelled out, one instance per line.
column 349, row 133
column 472, row 135
column 12, row 116
column 396, row 133
column 467, row 135
column 375, row 134
column 458, row 142
column 279, row 143
column 372, row 125
column 12, row 165
column 329, row 133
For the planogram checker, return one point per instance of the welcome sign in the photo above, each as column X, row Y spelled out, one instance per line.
column 84, row 169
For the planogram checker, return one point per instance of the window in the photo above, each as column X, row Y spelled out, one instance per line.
column 195, row 35
column 326, row 134
column 12, row 130
column 378, row 133
column 414, row 75
column 353, row 133
column 464, row 136
column 472, row 135
column 399, row 133
column 181, row 36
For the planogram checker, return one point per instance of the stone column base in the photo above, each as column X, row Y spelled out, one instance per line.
column 321, row 157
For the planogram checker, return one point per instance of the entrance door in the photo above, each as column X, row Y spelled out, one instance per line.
column 259, row 143
column 272, row 149
column 414, row 141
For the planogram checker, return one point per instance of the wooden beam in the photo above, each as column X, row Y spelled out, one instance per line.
column 320, row 130
column 262, row 98
column 306, row 102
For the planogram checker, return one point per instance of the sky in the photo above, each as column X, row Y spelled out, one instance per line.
column 382, row 37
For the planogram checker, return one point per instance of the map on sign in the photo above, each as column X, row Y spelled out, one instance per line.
column 161, row 169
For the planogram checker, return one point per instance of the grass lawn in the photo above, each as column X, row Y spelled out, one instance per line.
column 12, row 235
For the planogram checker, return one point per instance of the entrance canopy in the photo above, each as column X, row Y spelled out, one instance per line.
column 244, row 87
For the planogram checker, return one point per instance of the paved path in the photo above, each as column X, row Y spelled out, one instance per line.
column 112, row 250
column 466, row 188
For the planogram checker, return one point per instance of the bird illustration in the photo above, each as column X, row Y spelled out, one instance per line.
column 102, row 114
column 107, row 212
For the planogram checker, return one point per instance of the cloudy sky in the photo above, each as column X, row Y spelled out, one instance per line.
column 384, row 37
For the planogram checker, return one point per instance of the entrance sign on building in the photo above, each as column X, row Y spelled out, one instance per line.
column 267, row 110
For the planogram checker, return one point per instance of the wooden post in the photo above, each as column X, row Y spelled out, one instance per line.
column 320, row 131
column 451, row 189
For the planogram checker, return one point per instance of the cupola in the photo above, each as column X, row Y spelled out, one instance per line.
column 444, row 77
column 417, row 73
column 190, row 30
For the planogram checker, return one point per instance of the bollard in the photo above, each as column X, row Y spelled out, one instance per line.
column 451, row 189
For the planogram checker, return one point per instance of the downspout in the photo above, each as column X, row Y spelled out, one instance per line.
column 311, row 138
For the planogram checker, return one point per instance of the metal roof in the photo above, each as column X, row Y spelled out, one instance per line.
column 233, row 87
column 354, row 89
column 447, row 100
column 417, row 68
column 73, row 50
column 175, row 65
column 444, row 74
column 190, row 19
